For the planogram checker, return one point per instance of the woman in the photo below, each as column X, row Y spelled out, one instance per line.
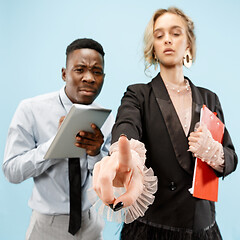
column 163, row 115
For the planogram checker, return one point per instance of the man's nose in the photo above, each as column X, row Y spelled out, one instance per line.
column 88, row 77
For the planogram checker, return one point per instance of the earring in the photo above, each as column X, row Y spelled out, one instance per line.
column 155, row 62
column 155, row 57
column 187, row 59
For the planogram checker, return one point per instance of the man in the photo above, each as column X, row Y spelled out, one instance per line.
column 31, row 132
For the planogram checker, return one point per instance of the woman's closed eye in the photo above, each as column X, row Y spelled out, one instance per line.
column 176, row 34
column 158, row 35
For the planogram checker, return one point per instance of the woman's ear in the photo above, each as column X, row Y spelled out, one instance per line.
column 188, row 47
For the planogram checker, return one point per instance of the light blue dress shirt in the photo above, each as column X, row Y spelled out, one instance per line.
column 31, row 132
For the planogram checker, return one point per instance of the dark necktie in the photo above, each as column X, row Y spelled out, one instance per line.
column 74, row 171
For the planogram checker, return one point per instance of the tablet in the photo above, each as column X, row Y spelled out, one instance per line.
column 80, row 117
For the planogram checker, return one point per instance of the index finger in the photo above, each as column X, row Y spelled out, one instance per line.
column 97, row 131
column 125, row 155
column 134, row 189
column 91, row 135
column 61, row 120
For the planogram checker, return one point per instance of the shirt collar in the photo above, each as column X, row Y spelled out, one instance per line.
column 65, row 100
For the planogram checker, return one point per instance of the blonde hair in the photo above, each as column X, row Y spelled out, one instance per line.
column 148, row 35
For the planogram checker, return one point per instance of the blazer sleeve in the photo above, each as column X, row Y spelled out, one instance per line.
column 230, row 155
column 128, row 120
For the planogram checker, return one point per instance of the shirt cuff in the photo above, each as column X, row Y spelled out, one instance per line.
column 93, row 159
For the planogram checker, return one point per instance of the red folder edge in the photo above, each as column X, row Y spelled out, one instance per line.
column 205, row 181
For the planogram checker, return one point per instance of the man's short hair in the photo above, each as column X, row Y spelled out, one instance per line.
column 85, row 43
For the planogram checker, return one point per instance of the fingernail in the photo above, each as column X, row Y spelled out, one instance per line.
column 111, row 205
column 118, row 207
column 123, row 135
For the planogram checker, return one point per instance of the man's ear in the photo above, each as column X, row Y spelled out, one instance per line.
column 64, row 74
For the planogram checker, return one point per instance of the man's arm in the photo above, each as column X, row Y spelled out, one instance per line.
column 22, row 158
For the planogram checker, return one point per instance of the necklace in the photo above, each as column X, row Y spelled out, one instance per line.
column 177, row 88
column 182, row 102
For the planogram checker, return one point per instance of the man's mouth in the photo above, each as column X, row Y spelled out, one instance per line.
column 87, row 91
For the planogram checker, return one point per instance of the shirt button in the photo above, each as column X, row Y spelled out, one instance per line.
column 172, row 186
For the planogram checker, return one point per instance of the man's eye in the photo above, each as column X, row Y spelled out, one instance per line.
column 98, row 73
column 80, row 70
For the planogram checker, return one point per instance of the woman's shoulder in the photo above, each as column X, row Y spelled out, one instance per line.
column 140, row 91
column 143, row 87
column 209, row 97
column 139, row 87
column 205, row 91
column 202, row 90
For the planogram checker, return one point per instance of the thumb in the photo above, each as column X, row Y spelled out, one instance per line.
column 134, row 189
column 60, row 121
column 125, row 155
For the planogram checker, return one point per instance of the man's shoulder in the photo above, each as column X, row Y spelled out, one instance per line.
column 41, row 99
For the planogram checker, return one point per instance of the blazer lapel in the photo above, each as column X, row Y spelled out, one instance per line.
column 173, row 124
column 197, row 103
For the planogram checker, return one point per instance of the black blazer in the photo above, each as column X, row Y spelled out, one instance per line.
column 148, row 115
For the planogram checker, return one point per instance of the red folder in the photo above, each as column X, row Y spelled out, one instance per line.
column 205, row 181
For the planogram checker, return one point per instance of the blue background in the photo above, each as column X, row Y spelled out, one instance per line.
column 34, row 36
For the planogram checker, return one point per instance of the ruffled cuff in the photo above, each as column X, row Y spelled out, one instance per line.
column 139, row 207
column 209, row 150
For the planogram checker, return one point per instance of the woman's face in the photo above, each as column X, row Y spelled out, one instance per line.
column 170, row 40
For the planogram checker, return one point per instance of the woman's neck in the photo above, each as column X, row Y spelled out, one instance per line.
column 173, row 75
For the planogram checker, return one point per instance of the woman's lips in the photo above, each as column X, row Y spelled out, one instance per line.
column 168, row 51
